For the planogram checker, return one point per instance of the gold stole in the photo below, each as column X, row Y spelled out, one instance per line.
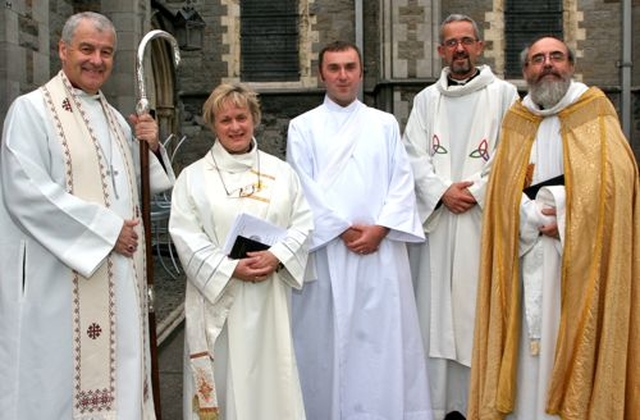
column 94, row 306
column 596, row 371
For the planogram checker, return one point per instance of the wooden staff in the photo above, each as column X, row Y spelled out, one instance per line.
column 142, row 107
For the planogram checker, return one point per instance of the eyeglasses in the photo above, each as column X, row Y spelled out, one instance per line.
column 246, row 191
column 554, row 57
column 465, row 42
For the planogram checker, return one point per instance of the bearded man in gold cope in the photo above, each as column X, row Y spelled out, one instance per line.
column 557, row 325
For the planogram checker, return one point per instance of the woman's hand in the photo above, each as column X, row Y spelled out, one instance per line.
column 256, row 267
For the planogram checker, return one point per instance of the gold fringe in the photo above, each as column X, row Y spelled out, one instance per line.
column 203, row 413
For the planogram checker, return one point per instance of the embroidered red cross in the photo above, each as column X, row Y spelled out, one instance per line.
column 66, row 105
column 94, row 331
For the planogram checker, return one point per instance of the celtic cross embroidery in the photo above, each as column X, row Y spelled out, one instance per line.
column 436, row 147
column 482, row 151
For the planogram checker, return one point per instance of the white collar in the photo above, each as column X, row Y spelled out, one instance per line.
column 485, row 77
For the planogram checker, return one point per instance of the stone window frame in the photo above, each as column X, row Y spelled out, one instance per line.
column 269, row 41
column 522, row 25
column 231, row 23
column 494, row 36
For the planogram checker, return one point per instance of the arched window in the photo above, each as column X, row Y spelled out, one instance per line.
column 524, row 21
column 269, row 32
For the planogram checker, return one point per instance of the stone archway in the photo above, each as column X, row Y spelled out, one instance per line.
column 162, row 92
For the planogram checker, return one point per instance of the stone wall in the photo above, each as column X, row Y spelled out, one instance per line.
column 399, row 53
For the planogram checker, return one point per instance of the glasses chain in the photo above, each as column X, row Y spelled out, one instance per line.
column 242, row 191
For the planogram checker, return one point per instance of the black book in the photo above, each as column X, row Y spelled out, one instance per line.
column 242, row 245
column 532, row 190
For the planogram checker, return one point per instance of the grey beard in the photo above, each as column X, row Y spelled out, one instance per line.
column 461, row 69
column 547, row 93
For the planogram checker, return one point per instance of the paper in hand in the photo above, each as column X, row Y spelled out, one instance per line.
column 250, row 233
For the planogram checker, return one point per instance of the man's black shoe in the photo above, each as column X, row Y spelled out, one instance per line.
column 454, row 415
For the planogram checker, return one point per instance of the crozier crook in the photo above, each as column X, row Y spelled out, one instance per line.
column 143, row 103
column 142, row 107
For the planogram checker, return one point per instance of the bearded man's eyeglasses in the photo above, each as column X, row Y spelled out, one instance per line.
column 554, row 57
column 465, row 42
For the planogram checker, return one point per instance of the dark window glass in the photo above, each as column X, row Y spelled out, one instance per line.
column 526, row 20
column 269, row 40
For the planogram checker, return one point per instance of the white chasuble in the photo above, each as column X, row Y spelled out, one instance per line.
column 355, row 327
column 79, row 349
column 451, row 136
column 240, row 362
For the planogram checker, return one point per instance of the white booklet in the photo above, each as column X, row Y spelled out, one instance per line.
column 250, row 233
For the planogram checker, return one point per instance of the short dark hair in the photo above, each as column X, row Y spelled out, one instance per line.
column 525, row 52
column 337, row 46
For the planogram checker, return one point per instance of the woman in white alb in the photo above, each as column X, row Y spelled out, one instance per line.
column 240, row 359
